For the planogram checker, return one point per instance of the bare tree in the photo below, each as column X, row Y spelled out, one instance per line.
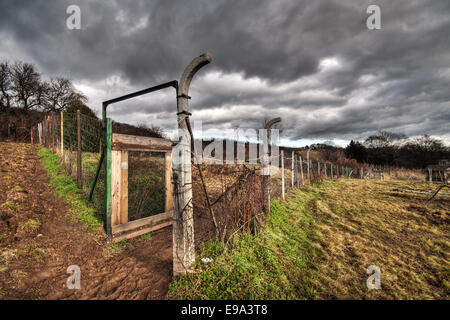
column 27, row 85
column 6, row 93
column 61, row 94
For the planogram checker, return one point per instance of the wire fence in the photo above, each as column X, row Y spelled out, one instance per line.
column 226, row 198
column 77, row 139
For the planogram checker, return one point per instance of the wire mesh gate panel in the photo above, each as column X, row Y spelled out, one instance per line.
column 144, row 207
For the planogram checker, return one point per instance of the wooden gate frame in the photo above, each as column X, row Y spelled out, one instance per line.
column 120, row 227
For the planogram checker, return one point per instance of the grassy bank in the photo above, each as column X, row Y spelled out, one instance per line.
column 278, row 263
column 320, row 242
column 67, row 188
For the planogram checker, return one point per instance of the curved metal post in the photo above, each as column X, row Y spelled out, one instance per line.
column 183, row 220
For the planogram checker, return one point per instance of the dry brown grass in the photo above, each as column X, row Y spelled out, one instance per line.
column 364, row 222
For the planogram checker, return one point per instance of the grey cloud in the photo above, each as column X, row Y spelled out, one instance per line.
column 277, row 42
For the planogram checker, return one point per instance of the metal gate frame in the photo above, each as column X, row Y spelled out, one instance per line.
column 133, row 228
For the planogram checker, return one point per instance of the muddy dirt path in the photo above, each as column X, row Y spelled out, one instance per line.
column 39, row 240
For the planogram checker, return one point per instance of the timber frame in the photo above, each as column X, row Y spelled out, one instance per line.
column 121, row 227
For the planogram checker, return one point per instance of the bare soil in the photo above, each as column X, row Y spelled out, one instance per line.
column 40, row 239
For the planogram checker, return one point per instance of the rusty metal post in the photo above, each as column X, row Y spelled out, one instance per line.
column 183, row 219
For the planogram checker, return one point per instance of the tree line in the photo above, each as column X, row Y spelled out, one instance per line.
column 22, row 87
column 388, row 148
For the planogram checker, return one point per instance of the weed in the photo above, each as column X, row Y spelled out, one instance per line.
column 31, row 226
column 32, row 251
column 9, row 205
column 114, row 249
column 147, row 236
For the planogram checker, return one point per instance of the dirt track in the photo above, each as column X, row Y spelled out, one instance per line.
column 34, row 260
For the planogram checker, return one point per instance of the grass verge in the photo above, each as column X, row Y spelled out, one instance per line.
column 278, row 263
column 66, row 188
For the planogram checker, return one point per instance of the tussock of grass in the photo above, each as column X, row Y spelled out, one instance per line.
column 114, row 248
column 278, row 263
column 9, row 205
column 147, row 236
column 66, row 188
column 31, row 250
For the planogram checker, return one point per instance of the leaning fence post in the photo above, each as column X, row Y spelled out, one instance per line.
column 79, row 167
column 282, row 173
column 301, row 170
column 183, row 223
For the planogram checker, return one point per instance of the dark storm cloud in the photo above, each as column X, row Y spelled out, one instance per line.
column 314, row 63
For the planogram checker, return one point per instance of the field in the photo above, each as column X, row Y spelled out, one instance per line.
column 317, row 244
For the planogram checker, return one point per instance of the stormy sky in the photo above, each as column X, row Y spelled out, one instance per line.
column 315, row 63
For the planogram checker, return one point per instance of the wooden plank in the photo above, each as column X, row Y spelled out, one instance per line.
column 139, row 143
column 115, row 187
column 143, row 223
column 140, row 232
column 123, row 187
column 168, row 178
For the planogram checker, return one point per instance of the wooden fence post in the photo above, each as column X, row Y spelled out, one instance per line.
column 292, row 169
column 308, row 174
column 79, row 167
column 48, row 132
column 318, row 168
column 31, row 135
column 331, row 165
column 168, row 178
column 301, row 170
column 282, row 173
column 53, row 132
column 296, row 174
column 62, row 134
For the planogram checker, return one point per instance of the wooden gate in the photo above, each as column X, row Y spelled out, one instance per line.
column 121, row 145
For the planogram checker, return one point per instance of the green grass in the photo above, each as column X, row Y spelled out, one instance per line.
column 147, row 236
column 66, row 188
column 278, row 263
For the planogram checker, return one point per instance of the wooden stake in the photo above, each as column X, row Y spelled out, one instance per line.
column 62, row 134
column 292, row 169
column 79, row 167
column 282, row 173
column 301, row 170
column 168, row 178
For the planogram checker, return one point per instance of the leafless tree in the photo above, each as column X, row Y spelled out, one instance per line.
column 28, row 88
column 6, row 94
column 61, row 94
